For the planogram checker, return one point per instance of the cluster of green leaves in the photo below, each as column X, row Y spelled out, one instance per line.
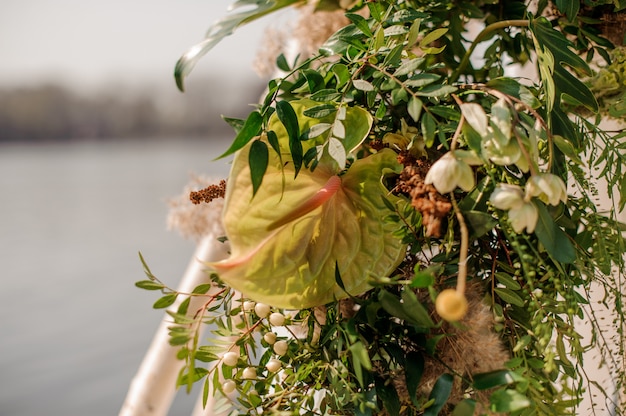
column 405, row 70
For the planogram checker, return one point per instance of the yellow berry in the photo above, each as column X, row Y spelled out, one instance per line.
column 451, row 305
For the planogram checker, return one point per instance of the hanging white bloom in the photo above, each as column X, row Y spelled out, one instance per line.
column 547, row 187
column 507, row 196
column 523, row 214
column 452, row 170
column 523, row 217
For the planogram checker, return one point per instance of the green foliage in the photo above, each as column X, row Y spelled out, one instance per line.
column 493, row 193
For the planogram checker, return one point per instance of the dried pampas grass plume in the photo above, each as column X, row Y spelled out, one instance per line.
column 469, row 348
column 192, row 219
column 302, row 38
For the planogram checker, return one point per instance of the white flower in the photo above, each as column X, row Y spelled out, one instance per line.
column 507, row 196
column 452, row 170
column 524, row 216
column 547, row 187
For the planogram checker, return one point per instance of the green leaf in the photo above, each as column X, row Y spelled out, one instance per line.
column 388, row 395
column 202, row 289
column 409, row 66
column 429, row 126
column 149, row 285
column 235, row 123
column 165, row 301
column 413, row 371
column 476, row 117
column 337, row 152
column 508, row 401
column 568, row 149
column 320, row 111
column 464, row 408
column 554, row 240
column 569, row 7
column 250, row 129
column 559, row 47
column 281, row 63
column 360, row 22
column 513, row 88
column 392, row 305
column 492, row 379
column 223, row 28
column 414, row 108
column 258, row 159
column 363, row 85
column 433, row 36
column 436, row 90
column 288, row 118
column 480, row 222
column 415, row 310
column 325, row 95
column 439, row 394
column 509, row 296
column 422, row 79
column 314, row 80
column 342, row 73
column 507, row 280
column 316, row 130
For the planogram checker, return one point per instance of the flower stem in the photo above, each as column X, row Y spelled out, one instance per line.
column 462, row 276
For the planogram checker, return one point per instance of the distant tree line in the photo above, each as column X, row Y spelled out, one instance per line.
column 54, row 112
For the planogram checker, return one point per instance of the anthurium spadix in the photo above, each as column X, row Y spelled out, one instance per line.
column 287, row 241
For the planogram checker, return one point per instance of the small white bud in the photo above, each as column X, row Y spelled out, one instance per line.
column 281, row 347
column 230, row 358
column 270, row 338
column 249, row 373
column 273, row 365
column 262, row 310
column 248, row 305
column 229, row 386
column 277, row 319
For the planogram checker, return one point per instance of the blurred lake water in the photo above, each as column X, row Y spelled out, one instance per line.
column 73, row 328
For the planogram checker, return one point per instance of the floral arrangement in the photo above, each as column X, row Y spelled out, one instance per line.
column 412, row 230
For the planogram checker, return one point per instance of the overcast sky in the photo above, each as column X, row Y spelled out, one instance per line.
column 90, row 42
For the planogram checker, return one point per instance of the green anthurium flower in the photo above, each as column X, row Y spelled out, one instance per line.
column 287, row 241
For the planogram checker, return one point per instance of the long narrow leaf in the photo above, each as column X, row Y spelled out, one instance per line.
column 223, row 28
